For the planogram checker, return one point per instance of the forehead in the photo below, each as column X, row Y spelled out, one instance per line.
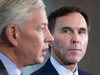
column 73, row 20
column 38, row 15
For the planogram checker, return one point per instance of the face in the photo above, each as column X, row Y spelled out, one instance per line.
column 70, row 38
column 34, row 39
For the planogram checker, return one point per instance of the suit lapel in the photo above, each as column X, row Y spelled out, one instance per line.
column 1, row 65
column 2, row 69
column 81, row 72
column 49, row 69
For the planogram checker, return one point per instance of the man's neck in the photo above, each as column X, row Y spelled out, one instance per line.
column 10, row 54
column 69, row 66
column 11, row 68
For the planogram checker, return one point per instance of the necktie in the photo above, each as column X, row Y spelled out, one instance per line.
column 21, row 73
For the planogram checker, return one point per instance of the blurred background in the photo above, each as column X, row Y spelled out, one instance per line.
column 91, row 60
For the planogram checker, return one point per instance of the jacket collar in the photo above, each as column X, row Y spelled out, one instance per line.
column 49, row 68
column 2, row 69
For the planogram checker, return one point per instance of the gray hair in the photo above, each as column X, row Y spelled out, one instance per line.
column 15, row 12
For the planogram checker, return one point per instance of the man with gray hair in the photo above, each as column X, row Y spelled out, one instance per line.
column 24, row 35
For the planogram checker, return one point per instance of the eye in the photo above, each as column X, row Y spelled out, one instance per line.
column 66, row 31
column 81, row 32
column 42, row 27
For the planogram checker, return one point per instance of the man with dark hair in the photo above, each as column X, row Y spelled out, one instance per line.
column 69, row 26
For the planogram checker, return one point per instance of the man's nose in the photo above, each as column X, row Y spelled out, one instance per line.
column 75, row 38
column 48, row 36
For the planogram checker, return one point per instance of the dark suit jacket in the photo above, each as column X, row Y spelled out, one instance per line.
column 48, row 69
column 2, row 69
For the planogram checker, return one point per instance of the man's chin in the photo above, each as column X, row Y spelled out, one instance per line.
column 40, row 60
column 74, row 62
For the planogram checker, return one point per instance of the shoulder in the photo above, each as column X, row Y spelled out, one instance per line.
column 47, row 69
column 81, row 72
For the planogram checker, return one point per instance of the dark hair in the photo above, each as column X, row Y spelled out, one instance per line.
column 62, row 12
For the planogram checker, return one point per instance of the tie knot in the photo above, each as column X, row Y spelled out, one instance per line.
column 21, row 73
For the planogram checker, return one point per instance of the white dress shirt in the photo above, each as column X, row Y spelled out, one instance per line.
column 11, row 68
column 61, row 69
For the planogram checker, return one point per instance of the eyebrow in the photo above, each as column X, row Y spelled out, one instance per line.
column 63, row 28
column 84, row 29
column 45, row 24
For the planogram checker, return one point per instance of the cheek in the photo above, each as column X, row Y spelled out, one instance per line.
column 37, row 42
column 85, row 46
column 36, row 39
column 59, row 45
column 57, row 42
column 33, row 43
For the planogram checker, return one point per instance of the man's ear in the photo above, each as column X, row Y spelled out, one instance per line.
column 12, row 34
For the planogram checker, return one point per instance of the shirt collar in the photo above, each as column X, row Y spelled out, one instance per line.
column 61, row 69
column 11, row 68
